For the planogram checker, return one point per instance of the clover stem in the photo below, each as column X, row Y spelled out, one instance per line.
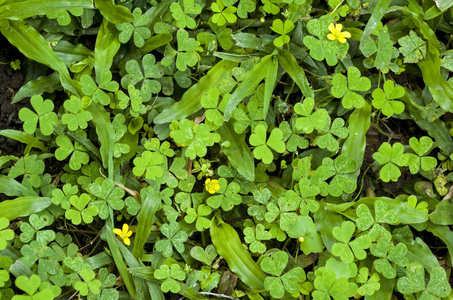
column 361, row 183
column 285, row 244
column 203, row 238
column 289, row 93
column 253, row 23
column 339, row 4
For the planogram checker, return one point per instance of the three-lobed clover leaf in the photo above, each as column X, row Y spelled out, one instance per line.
column 171, row 275
column 79, row 210
column 5, row 233
column 79, row 155
column 143, row 77
column 227, row 196
column 283, row 29
column 412, row 47
column 328, row 285
column 186, row 55
column 194, row 137
column 107, row 194
column 199, row 215
column 284, row 209
column 181, row 11
column 383, row 53
column 222, row 14
column 75, row 117
column 370, row 284
column 390, row 156
column 384, row 99
column 88, row 284
column 137, row 28
column 150, row 163
column 31, row 168
column 210, row 101
column 419, row 160
column 327, row 140
column 346, row 89
column 175, row 238
column 254, row 236
column 96, row 91
column 292, row 139
column 271, row 7
column 319, row 120
column 44, row 114
column 320, row 46
column 343, row 248
column 35, row 223
column 262, row 151
column 305, row 228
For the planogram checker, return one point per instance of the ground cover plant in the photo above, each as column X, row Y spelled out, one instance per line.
column 236, row 149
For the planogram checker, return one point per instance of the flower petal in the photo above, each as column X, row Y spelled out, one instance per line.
column 338, row 27
column 125, row 228
column 331, row 27
column 341, row 39
column 346, row 34
column 127, row 241
column 331, row 37
column 117, row 231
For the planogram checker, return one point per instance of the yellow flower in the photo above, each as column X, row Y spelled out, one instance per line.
column 336, row 33
column 212, row 186
column 124, row 234
column 301, row 239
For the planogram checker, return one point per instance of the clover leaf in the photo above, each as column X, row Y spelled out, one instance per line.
column 328, row 140
column 107, row 194
column 370, row 284
column 76, row 117
column 206, row 256
column 320, row 46
column 150, row 163
column 292, row 139
column 137, row 28
column 284, row 210
column 275, row 265
column 5, row 233
column 227, row 197
column 412, row 47
column 328, row 285
column 271, row 7
column 88, row 284
column 343, row 249
column 382, row 53
column 384, row 99
column 143, row 77
column 79, row 210
column 305, row 228
column 35, row 223
column 186, row 54
column 346, row 89
column 181, row 12
column 194, row 137
column 319, row 120
column 175, row 238
column 96, row 91
column 254, row 236
column 44, row 114
column 171, row 275
column 210, row 101
column 198, row 215
column 245, row 7
column 79, row 155
column 283, row 30
column 262, row 151
column 222, row 14
column 390, row 156
column 30, row 286
column 421, row 148
column 31, row 168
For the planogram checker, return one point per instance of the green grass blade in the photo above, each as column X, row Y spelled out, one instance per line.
column 238, row 152
column 271, row 79
column 34, row 46
column 99, row 260
column 355, row 144
column 86, row 143
column 43, row 84
column 115, row 14
column 156, row 42
column 23, row 206
column 150, row 204
column 11, row 187
column 445, row 234
column 289, row 63
column 118, row 259
column 246, row 88
column 22, row 9
column 107, row 45
column 22, row 137
column 376, row 16
column 190, row 102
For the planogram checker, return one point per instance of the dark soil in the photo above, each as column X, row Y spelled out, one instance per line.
column 10, row 82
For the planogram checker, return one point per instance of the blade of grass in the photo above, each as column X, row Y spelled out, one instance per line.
column 289, row 63
column 151, row 203
column 23, row 206
column 25, row 38
column 271, row 78
column 43, row 84
column 11, row 187
column 107, row 45
column 251, row 81
column 115, row 14
column 22, row 9
column 376, row 16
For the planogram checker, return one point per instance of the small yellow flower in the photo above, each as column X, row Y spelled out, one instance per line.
column 301, row 239
column 124, row 234
column 212, row 186
column 336, row 33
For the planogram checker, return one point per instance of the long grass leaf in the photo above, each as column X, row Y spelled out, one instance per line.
column 25, row 38
column 151, row 203
column 190, row 102
column 38, row 86
column 115, row 14
column 251, row 81
column 107, row 45
column 23, row 206
column 271, row 78
column 238, row 152
column 11, row 187
column 289, row 63
column 376, row 16
column 22, row 9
